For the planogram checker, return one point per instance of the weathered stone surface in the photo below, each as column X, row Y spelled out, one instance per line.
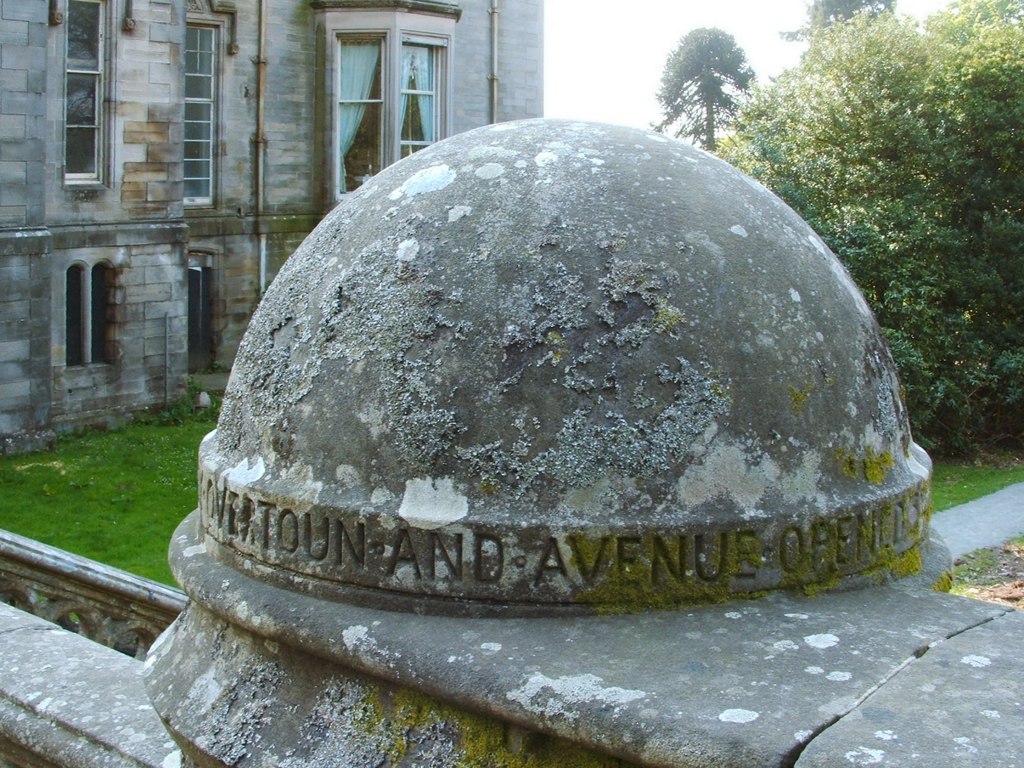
column 962, row 703
column 251, row 672
column 66, row 701
column 552, row 364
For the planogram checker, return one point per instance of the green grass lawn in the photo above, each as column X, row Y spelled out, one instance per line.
column 954, row 484
column 117, row 496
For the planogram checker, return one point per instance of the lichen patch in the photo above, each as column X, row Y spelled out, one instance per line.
column 432, row 504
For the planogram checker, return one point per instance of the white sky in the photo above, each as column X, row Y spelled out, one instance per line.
column 603, row 59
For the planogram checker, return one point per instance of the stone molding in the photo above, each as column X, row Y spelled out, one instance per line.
column 65, row 701
column 112, row 607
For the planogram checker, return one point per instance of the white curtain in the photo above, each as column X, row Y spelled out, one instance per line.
column 358, row 67
column 418, row 75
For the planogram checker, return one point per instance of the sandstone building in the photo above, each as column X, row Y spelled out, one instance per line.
column 159, row 159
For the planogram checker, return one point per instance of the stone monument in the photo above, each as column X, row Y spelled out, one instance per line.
column 531, row 379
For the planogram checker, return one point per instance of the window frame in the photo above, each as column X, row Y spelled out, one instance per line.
column 212, row 103
column 99, row 74
column 393, row 40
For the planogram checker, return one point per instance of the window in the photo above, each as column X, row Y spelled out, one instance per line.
column 419, row 97
column 83, row 97
column 360, row 128
column 200, row 112
column 375, row 125
column 74, row 321
column 87, row 310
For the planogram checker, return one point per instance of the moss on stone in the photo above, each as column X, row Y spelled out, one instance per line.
column 872, row 466
column 658, row 583
column 798, row 397
column 413, row 722
column 877, row 465
column 944, row 583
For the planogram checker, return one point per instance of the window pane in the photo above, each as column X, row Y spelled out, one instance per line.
column 198, row 111
column 419, row 124
column 101, row 279
column 81, row 99
column 197, row 188
column 419, row 102
column 417, row 68
column 198, row 87
column 363, row 158
column 83, row 22
column 360, row 71
column 73, row 351
column 197, row 168
column 80, row 150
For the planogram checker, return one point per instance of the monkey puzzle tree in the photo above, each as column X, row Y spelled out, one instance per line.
column 702, row 83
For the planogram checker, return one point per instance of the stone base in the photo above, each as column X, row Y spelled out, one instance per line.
column 257, row 676
column 27, row 442
column 68, row 702
column 246, row 701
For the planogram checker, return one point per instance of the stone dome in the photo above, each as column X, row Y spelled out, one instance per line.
column 553, row 364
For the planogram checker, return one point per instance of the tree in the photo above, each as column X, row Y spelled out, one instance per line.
column 903, row 149
column 703, row 80
column 825, row 13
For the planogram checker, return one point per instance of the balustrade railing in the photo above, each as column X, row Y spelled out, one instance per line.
column 107, row 605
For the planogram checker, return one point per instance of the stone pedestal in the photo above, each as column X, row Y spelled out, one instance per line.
column 537, row 452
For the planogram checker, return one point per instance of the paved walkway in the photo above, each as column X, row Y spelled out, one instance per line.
column 984, row 522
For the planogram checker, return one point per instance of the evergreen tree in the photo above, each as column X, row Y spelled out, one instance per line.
column 703, row 80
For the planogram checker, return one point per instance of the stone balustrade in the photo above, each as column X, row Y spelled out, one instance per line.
column 112, row 607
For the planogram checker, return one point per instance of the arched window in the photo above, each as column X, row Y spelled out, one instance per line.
column 87, row 306
column 99, row 313
column 74, row 319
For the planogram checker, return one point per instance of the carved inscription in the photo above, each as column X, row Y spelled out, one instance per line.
column 363, row 550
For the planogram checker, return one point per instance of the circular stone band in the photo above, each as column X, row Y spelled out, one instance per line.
column 371, row 556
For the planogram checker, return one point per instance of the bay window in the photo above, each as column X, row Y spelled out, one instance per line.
column 391, row 101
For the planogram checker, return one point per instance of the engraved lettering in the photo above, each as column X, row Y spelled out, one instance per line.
column 823, row 546
column 588, row 571
column 266, row 525
column 403, row 551
column 551, row 560
column 791, row 548
column 288, row 531
column 867, row 535
column 702, row 560
column 625, row 553
column 845, row 546
column 749, row 551
column 317, row 542
column 453, row 564
column 355, row 548
column 488, row 558
column 662, row 559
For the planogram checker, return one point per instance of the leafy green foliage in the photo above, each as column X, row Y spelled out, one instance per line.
column 903, row 148
column 825, row 13
column 114, row 497
column 703, row 80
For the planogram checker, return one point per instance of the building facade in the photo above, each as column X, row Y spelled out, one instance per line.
column 160, row 159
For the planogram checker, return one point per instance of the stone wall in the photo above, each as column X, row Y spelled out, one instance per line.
column 273, row 183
